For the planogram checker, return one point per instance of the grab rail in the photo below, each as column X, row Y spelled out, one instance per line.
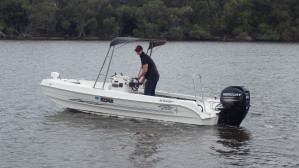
column 201, row 90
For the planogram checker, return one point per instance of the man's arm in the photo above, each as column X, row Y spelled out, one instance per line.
column 144, row 71
column 142, row 81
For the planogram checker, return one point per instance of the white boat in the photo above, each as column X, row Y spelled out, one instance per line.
column 121, row 97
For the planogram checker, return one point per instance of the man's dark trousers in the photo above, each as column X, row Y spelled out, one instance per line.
column 150, row 86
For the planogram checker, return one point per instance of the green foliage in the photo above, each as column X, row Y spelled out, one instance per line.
column 147, row 30
column 65, row 24
column 13, row 16
column 266, row 32
column 151, row 19
column 126, row 19
column 173, row 19
column 111, row 27
column 176, row 33
column 240, row 34
column 197, row 33
column 41, row 18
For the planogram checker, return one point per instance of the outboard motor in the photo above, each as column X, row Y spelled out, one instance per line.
column 236, row 102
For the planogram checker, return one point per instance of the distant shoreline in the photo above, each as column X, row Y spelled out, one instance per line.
column 95, row 38
column 52, row 38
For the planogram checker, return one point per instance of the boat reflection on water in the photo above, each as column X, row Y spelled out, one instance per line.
column 234, row 142
column 146, row 146
column 139, row 140
column 142, row 142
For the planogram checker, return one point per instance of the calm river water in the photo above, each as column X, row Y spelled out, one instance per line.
column 35, row 132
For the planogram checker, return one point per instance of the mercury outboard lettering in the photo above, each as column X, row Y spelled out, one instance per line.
column 232, row 94
column 236, row 102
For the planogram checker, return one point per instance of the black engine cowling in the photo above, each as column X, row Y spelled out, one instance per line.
column 236, row 102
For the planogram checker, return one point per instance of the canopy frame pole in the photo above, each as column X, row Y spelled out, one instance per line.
column 151, row 47
column 102, row 68
column 108, row 68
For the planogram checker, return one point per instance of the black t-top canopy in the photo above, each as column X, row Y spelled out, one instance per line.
column 153, row 42
column 120, row 40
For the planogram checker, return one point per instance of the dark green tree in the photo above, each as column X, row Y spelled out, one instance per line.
column 173, row 19
column 41, row 18
column 13, row 17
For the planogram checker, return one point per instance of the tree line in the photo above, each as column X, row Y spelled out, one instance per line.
column 274, row 20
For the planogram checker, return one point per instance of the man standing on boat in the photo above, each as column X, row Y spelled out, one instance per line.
column 149, row 72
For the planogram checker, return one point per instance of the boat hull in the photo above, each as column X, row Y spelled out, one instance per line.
column 85, row 98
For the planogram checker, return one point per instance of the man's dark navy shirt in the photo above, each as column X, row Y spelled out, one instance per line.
column 152, row 72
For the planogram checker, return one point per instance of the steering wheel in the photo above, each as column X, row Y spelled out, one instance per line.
column 134, row 84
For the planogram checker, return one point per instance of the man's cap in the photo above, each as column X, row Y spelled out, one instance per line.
column 138, row 48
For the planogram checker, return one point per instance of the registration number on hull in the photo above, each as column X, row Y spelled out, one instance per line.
column 104, row 99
